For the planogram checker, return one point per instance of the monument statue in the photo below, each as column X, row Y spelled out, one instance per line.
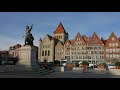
column 29, row 37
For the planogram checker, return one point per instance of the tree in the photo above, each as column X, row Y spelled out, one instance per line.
column 85, row 63
column 117, row 64
column 57, row 63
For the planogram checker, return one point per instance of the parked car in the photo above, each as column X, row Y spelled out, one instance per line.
column 111, row 66
column 76, row 64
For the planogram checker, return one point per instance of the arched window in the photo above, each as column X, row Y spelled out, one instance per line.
column 59, row 37
column 48, row 52
column 43, row 53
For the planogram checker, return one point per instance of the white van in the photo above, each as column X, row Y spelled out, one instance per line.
column 63, row 63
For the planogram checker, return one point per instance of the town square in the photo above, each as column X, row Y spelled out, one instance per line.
column 60, row 45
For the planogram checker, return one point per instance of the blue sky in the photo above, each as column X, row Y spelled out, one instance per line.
column 12, row 25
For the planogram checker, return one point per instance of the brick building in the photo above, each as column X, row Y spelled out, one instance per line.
column 91, row 49
column 112, row 47
column 14, row 50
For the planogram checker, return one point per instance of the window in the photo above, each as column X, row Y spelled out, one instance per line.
column 114, row 56
column 116, row 44
column 76, row 57
column 110, row 50
column 112, row 39
column 117, row 56
column 43, row 53
column 72, row 57
column 107, row 55
column 48, row 52
column 117, row 50
column 89, row 57
column 107, row 50
column 113, row 44
column 110, row 56
column 110, row 44
column 113, row 50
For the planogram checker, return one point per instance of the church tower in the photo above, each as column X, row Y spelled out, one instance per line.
column 60, row 33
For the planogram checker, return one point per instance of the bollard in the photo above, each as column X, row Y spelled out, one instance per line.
column 62, row 69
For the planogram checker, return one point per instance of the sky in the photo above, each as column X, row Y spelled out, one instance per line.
column 13, row 24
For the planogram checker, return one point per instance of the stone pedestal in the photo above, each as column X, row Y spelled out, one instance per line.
column 27, row 58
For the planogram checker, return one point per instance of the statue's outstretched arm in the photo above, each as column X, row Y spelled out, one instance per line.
column 31, row 26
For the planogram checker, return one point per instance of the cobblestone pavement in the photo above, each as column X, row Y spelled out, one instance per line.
column 67, row 74
column 78, row 75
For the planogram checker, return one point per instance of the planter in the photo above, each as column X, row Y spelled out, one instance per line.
column 117, row 67
column 101, row 66
column 69, row 66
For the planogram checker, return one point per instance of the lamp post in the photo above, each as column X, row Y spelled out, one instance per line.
column 53, row 64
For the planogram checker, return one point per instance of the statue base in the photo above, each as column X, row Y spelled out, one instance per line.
column 27, row 58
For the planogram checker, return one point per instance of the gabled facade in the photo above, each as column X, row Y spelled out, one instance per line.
column 60, row 33
column 112, row 47
column 14, row 50
column 67, row 49
column 78, row 48
column 81, row 48
column 95, row 49
column 52, row 47
column 46, row 49
column 59, row 51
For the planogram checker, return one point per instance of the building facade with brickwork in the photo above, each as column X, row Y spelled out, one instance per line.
column 14, row 50
column 81, row 48
column 112, row 47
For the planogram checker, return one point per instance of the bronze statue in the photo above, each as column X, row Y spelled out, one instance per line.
column 29, row 38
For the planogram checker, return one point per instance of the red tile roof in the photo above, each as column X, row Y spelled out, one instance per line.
column 60, row 29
